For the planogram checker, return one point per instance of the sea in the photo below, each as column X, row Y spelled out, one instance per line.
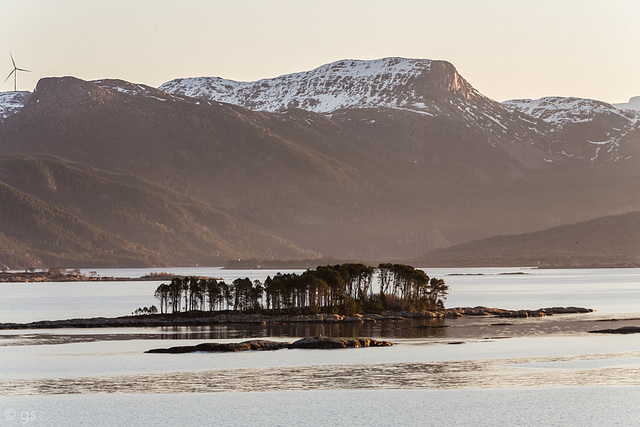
column 475, row 371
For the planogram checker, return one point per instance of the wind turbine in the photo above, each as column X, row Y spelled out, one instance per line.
column 15, row 74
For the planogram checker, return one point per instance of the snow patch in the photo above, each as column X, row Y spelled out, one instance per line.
column 131, row 89
column 12, row 102
column 384, row 82
column 601, row 142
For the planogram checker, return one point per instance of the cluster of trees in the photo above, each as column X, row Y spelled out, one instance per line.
column 345, row 288
column 145, row 310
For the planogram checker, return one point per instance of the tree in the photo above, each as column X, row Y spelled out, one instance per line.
column 175, row 294
column 213, row 291
column 256, row 295
column 242, row 294
column 276, row 292
column 162, row 294
column 437, row 293
column 196, row 293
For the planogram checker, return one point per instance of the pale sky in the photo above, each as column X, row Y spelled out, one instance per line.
column 505, row 48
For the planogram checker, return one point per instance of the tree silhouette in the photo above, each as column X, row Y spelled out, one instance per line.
column 343, row 288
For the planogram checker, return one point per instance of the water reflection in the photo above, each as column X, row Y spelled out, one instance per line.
column 452, row 329
column 428, row 328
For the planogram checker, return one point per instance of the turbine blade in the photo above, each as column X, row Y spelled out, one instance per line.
column 22, row 69
column 9, row 75
column 14, row 62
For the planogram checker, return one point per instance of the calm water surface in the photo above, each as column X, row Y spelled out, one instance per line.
column 615, row 291
column 482, row 371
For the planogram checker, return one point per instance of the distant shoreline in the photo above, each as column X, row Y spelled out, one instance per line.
column 200, row 318
column 43, row 276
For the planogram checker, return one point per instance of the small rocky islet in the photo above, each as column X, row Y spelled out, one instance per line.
column 620, row 331
column 202, row 318
column 266, row 345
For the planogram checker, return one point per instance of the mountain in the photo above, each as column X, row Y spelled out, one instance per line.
column 388, row 82
column 239, row 161
column 583, row 128
column 612, row 241
column 425, row 87
column 322, row 183
column 579, row 129
column 371, row 160
column 563, row 112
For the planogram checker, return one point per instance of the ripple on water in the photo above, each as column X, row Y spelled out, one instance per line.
column 615, row 369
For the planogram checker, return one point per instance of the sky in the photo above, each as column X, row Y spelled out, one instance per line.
column 507, row 49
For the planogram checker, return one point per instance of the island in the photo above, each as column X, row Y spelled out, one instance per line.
column 266, row 345
column 200, row 318
column 345, row 293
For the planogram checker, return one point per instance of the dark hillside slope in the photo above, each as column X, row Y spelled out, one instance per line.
column 611, row 241
column 152, row 222
column 218, row 154
column 34, row 234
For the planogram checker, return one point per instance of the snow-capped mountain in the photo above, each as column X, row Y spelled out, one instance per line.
column 12, row 102
column 419, row 86
column 558, row 111
column 388, row 82
column 583, row 128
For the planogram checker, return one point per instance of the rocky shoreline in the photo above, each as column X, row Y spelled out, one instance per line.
column 201, row 318
column 266, row 345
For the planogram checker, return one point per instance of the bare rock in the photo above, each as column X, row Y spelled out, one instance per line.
column 328, row 342
column 623, row 330
column 265, row 345
column 259, row 345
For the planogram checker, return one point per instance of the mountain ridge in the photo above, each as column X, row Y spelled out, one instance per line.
column 427, row 87
column 584, row 129
column 373, row 183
